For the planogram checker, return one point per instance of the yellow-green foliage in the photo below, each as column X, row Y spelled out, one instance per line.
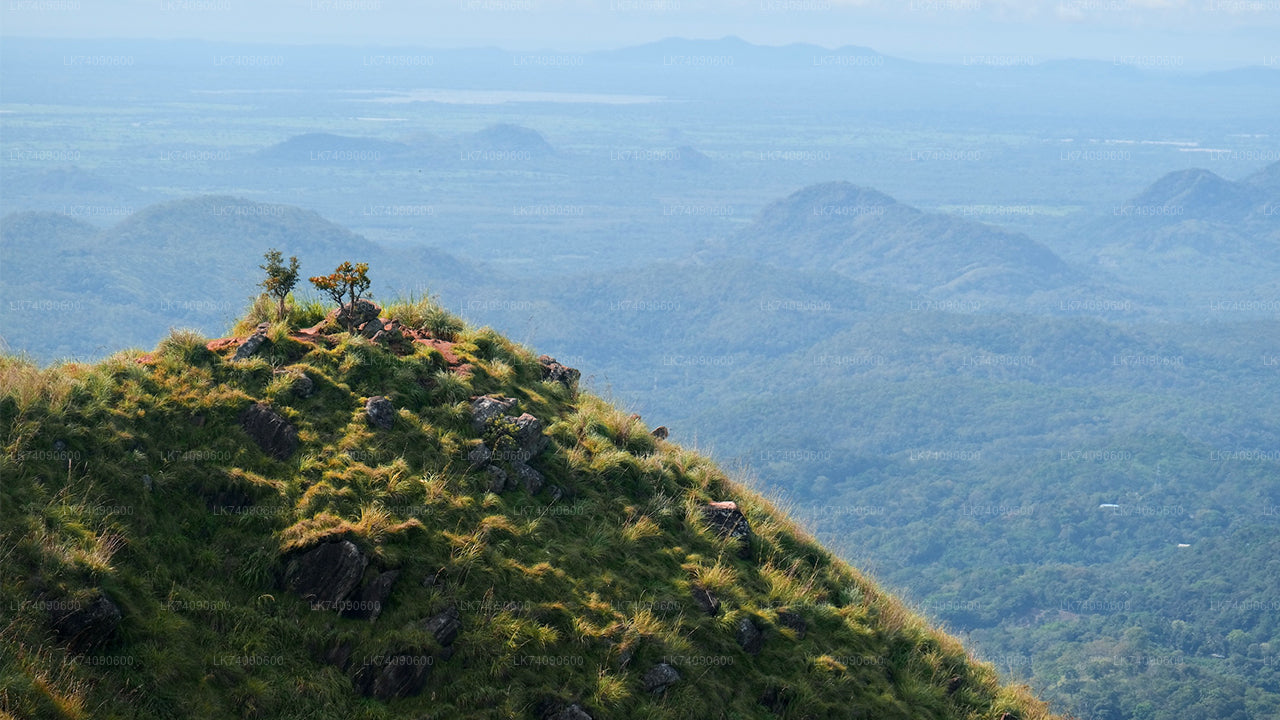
column 133, row 477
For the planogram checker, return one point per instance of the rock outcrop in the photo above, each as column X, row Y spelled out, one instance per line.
column 252, row 344
column 326, row 574
column 553, row 371
column 486, row 409
column 749, row 636
column 792, row 620
column 355, row 314
column 445, row 626
column 658, row 678
column 86, row 626
column 727, row 521
column 706, row 600
column 270, row 431
column 395, row 675
column 516, row 441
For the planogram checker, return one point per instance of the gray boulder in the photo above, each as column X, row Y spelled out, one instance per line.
column 706, row 600
column 529, row 435
column 250, row 346
column 531, row 479
column 380, row 412
column 658, row 678
column 749, row 636
column 269, row 430
column 302, row 385
column 572, row 712
column 445, row 626
column 327, row 573
column 485, row 409
column 793, row 620
column 498, row 479
column 480, row 457
column 398, row 675
column 371, row 328
column 358, row 313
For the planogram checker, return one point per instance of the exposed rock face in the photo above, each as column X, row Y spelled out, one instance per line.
column 390, row 333
column 793, row 620
column 480, row 457
column 708, row 601
column 749, row 636
column 553, row 371
column 727, row 521
column 87, row 626
column 327, row 573
column 658, row 678
column 445, row 626
column 518, row 443
column 270, row 431
column 661, row 432
column 358, row 313
column 485, row 409
column 529, row 436
column 250, row 346
column 555, row 709
column 498, row 479
column 371, row 328
column 367, row 603
column 380, row 412
column 398, row 675
column 530, row 479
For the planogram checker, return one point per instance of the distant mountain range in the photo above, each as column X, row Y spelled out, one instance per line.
column 138, row 266
column 503, row 142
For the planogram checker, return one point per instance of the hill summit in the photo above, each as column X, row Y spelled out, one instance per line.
column 868, row 236
column 379, row 512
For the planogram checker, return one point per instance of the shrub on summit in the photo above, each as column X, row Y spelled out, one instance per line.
column 346, row 281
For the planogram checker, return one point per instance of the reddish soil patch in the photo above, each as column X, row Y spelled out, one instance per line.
column 445, row 348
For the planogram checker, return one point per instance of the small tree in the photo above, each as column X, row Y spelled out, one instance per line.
column 280, row 278
column 346, row 281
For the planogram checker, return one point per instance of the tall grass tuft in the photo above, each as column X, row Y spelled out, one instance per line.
column 427, row 315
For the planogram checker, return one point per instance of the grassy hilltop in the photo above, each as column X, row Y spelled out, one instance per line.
column 419, row 519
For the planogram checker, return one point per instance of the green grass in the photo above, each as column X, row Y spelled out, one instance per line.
column 569, row 601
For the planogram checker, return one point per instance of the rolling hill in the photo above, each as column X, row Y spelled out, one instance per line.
column 869, row 236
column 432, row 523
column 1188, row 231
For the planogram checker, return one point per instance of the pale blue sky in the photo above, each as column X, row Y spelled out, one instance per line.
column 1204, row 32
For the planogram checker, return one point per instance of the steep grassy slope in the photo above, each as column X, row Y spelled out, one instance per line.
column 190, row 535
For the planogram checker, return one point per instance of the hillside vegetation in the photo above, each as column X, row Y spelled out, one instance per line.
column 415, row 519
